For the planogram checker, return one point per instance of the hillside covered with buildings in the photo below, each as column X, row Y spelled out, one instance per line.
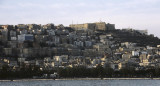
column 35, row 49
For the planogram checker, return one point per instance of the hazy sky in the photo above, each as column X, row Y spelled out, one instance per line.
column 137, row 14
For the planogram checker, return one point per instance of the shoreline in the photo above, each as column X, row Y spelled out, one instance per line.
column 109, row 79
column 82, row 79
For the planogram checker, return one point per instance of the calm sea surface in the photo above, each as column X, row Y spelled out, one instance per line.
column 82, row 83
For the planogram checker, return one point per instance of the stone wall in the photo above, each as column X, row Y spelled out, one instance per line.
column 93, row 26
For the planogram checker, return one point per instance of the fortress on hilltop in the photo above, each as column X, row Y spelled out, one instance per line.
column 93, row 26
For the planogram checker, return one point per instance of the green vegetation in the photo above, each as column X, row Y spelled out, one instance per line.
column 80, row 72
column 24, row 72
column 134, row 37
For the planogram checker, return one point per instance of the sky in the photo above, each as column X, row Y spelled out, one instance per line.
column 136, row 14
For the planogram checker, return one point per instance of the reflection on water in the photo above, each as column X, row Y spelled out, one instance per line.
column 82, row 83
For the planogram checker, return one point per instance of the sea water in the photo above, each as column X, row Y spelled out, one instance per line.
column 81, row 83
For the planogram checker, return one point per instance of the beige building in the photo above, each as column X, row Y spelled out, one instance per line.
column 22, row 26
column 93, row 26
column 7, row 51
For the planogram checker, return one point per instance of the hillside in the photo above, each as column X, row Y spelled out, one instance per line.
column 135, row 37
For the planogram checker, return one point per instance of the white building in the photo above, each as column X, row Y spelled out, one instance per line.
column 135, row 53
column 79, row 43
column 25, row 37
column 88, row 43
